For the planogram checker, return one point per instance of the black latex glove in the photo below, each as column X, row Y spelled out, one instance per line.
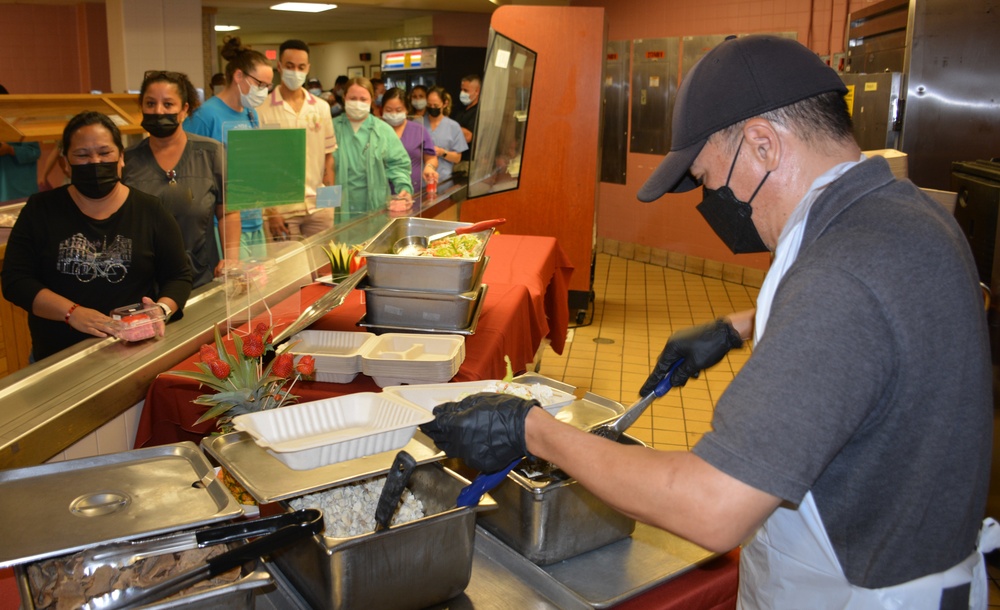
column 485, row 430
column 700, row 347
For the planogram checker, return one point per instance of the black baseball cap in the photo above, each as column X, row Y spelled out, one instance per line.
column 739, row 79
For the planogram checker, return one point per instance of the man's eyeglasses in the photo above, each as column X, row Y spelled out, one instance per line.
column 260, row 83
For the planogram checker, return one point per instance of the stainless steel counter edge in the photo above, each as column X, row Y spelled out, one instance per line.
column 51, row 404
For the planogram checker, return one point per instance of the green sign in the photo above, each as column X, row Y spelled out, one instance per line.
column 265, row 167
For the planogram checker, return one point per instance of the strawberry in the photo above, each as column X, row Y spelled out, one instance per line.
column 207, row 353
column 306, row 365
column 283, row 366
column 253, row 345
column 261, row 329
column 219, row 368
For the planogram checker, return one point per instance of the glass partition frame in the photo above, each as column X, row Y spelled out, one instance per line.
column 502, row 121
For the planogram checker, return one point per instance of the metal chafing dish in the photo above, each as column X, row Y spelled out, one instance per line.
column 402, row 567
column 547, row 516
column 57, row 509
column 409, row 566
column 414, row 309
column 423, row 273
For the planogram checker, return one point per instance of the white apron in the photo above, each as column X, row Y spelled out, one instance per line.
column 790, row 562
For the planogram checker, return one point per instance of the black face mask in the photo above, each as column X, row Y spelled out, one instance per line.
column 95, row 180
column 434, row 111
column 160, row 125
column 730, row 218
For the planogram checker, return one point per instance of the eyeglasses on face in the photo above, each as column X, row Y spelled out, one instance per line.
column 154, row 74
column 260, row 83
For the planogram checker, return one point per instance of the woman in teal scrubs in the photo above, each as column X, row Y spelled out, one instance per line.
column 369, row 156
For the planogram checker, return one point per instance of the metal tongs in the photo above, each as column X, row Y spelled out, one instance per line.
column 296, row 526
column 120, row 555
column 614, row 429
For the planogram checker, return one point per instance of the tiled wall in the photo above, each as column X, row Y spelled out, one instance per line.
column 729, row 272
column 113, row 437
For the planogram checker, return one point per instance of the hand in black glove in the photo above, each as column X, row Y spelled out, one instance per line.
column 699, row 346
column 485, row 430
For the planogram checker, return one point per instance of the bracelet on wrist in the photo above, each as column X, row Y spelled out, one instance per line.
column 166, row 310
column 70, row 311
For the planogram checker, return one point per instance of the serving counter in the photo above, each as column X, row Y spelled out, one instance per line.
column 526, row 303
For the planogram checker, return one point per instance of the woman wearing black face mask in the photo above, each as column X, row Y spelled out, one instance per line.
column 184, row 170
column 449, row 143
column 79, row 251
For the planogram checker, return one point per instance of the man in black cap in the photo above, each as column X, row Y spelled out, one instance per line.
column 851, row 453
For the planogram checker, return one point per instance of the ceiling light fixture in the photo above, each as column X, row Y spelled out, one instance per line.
column 303, row 7
column 226, row 28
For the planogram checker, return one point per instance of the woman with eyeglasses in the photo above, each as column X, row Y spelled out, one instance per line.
column 184, row 170
column 79, row 251
column 248, row 79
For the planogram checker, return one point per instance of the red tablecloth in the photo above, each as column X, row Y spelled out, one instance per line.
column 712, row 586
column 541, row 266
column 525, row 302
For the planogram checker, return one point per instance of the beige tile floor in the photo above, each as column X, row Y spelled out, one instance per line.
column 637, row 307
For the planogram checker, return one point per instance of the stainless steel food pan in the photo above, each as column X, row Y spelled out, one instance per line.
column 415, row 309
column 410, row 566
column 237, row 595
column 548, row 519
column 425, row 273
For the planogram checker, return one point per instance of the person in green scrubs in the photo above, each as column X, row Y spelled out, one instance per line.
column 369, row 157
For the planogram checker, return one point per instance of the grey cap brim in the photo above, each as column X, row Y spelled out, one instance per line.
column 672, row 176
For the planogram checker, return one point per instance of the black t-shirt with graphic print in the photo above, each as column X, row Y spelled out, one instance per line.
column 101, row 264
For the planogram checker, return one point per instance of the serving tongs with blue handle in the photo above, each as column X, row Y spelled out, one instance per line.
column 612, row 430
column 297, row 526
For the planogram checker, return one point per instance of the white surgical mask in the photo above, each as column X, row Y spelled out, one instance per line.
column 357, row 110
column 316, row 91
column 293, row 79
column 254, row 98
column 465, row 98
column 419, row 104
column 394, row 118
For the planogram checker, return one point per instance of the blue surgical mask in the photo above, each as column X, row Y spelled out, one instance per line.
column 465, row 98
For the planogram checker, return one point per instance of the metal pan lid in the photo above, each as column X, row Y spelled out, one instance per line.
column 63, row 507
column 322, row 306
